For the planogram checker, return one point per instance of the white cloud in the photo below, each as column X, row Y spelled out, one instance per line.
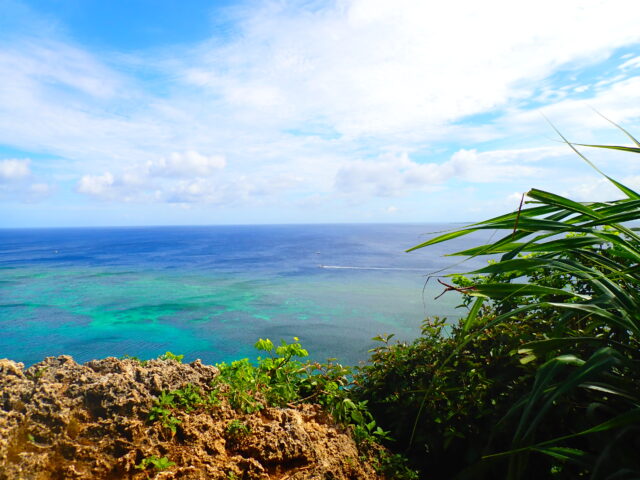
column 14, row 169
column 575, row 118
column 47, row 64
column 390, row 176
column 186, row 164
column 631, row 63
column 600, row 189
column 302, row 100
column 96, row 185
column 178, row 174
column 374, row 67
column 514, row 198
column 499, row 165
column 17, row 182
column 396, row 175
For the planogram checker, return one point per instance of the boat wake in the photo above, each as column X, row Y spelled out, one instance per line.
column 345, row 267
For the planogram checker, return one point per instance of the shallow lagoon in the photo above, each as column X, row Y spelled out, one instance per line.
column 211, row 292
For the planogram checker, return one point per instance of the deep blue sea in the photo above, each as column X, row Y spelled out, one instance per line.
column 211, row 292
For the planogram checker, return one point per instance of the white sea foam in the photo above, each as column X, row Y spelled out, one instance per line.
column 347, row 267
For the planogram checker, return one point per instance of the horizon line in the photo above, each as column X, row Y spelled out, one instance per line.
column 51, row 227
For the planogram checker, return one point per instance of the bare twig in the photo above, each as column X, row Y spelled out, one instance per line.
column 452, row 287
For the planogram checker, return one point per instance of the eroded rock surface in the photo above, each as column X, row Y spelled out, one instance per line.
column 62, row 420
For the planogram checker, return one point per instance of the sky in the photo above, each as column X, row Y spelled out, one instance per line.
column 166, row 112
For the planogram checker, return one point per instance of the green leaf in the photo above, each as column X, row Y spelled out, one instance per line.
column 612, row 147
column 563, row 453
column 557, row 200
column 504, row 290
column 472, row 315
column 620, row 128
column 442, row 238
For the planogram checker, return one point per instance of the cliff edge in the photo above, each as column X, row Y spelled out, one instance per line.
column 62, row 420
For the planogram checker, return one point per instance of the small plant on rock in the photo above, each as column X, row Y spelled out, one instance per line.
column 171, row 356
column 280, row 379
column 188, row 397
column 162, row 411
column 237, row 429
column 157, row 463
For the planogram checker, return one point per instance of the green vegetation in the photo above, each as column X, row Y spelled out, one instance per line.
column 162, row 411
column 237, row 429
column 281, row 379
column 541, row 378
column 155, row 462
column 186, row 399
column 393, row 466
column 171, row 356
column 164, row 356
column 37, row 374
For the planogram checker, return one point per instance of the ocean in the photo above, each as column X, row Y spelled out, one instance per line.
column 210, row 292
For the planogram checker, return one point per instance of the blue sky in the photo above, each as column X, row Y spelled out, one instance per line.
column 140, row 112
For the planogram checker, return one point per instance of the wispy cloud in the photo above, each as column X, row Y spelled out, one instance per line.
column 334, row 100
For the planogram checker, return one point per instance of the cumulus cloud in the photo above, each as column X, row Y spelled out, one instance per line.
column 19, row 183
column 14, row 169
column 186, row 164
column 395, row 175
column 229, row 190
column 195, row 191
column 97, row 185
column 179, row 175
column 389, row 177
column 300, row 101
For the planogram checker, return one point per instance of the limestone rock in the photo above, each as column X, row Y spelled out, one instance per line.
column 61, row 420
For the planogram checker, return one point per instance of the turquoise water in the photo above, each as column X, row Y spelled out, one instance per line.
column 211, row 292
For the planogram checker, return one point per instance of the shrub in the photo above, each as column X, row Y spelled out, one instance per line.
column 541, row 378
column 281, row 379
column 467, row 396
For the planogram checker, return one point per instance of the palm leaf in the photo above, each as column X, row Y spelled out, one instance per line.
column 602, row 254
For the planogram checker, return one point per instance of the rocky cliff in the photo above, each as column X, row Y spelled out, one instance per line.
column 62, row 420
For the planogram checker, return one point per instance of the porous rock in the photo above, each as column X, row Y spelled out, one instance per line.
column 62, row 420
